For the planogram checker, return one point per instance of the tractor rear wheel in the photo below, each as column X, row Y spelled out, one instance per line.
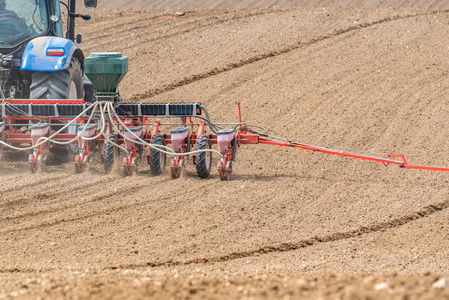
column 203, row 160
column 64, row 84
column 157, row 159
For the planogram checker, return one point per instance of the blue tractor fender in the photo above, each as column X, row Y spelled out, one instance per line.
column 48, row 53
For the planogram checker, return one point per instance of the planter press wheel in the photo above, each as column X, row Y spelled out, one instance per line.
column 110, row 152
column 80, row 166
column 203, row 160
column 225, row 173
column 36, row 163
column 157, row 159
column 175, row 171
column 131, row 169
column 33, row 165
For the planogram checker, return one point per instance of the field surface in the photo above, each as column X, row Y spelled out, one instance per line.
column 183, row 4
column 291, row 223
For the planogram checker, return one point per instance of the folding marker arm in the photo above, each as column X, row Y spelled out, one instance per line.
column 402, row 164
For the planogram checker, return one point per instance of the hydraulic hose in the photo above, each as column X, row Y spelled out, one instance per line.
column 209, row 123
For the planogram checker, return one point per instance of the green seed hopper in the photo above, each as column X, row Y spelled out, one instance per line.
column 106, row 70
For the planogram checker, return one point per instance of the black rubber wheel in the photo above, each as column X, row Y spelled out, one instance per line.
column 79, row 167
column 37, row 167
column 33, row 167
column 175, row 172
column 64, row 84
column 225, row 175
column 157, row 159
column 203, row 160
column 109, row 153
column 128, row 172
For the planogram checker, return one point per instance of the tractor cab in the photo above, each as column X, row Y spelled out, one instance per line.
column 34, row 45
column 21, row 20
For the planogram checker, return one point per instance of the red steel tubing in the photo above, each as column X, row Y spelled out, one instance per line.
column 403, row 164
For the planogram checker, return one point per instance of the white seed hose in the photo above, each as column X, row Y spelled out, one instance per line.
column 103, row 106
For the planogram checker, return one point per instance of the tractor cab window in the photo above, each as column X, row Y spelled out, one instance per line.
column 20, row 20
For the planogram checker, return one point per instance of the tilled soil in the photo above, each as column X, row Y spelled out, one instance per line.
column 186, row 4
column 291, row 222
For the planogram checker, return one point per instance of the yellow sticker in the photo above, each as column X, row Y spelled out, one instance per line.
column 56, row 67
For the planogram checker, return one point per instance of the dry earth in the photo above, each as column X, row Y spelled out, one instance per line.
column 292, row 223
column 185, row 4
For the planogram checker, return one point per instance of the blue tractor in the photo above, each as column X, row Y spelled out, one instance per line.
column 38, row 60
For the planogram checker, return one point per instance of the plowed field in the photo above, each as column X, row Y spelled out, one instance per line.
column 183, row 4
column 291, row 223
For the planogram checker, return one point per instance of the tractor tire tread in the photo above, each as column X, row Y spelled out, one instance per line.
column 40, row 80
column 57, row 90
column 54, row 85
